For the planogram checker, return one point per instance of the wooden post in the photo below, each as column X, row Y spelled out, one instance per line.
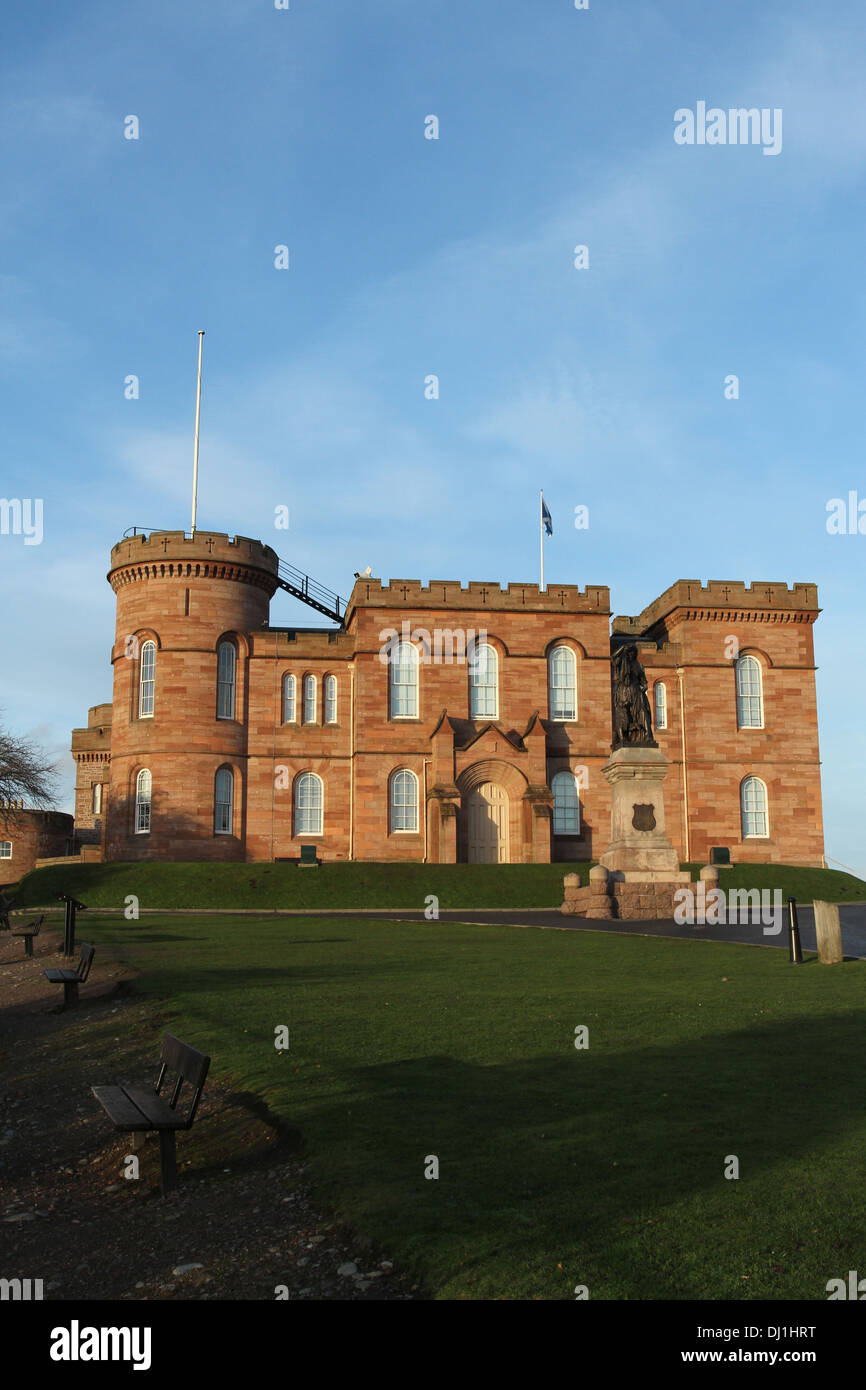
column 828, row 933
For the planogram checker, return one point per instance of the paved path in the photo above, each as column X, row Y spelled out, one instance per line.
column 852, row 916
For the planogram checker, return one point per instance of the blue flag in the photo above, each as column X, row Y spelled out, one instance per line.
column 546, row 518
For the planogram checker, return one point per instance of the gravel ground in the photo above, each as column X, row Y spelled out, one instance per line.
column 243, row 1222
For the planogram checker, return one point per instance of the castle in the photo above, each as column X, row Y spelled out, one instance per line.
column 380, row 740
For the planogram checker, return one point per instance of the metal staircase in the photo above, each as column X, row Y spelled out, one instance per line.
column 309, row 591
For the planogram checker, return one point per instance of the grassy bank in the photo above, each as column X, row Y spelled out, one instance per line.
column 557, row 1166
column 161, row 885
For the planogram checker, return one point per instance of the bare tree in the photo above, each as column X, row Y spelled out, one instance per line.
column 25, row 773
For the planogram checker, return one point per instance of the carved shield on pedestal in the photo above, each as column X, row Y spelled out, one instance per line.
column 643, row 818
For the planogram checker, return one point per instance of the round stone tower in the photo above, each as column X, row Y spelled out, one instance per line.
column 185, row 609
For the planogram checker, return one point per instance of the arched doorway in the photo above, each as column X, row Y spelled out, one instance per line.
column 487, row 824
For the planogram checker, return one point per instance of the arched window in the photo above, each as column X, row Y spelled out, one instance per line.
column 753, row 808
column 404, row 801
column 96, row 804
column 484, row 683
column 660, row 717
column 403, row 682
column 289, row 700
column 750, row 699
column 309, row 699
column 566, row 804
column 330, row 699
column 224, row 789
column 227, row 660
column 308, row 804
column 146, row 680
column 142, row 802
column 562, row 681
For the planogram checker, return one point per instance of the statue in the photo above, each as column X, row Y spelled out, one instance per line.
column 632, row 719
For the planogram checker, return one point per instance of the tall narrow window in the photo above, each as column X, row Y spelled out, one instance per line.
column 403, row 682
column 289, row 700
column 562, row 669
column 484, row 683
column 308, row 804
column 661, row 705
column 330, row 699
column 224, row 786
column 309, row 699
column 227, row 660
column 750, row 699
column 146, row 680
column 96, row 805
column 404, row 801
column 142, row 802
column 566, row 804
column 753, row 807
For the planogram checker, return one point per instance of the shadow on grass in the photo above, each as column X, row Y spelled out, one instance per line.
column 578, row 1151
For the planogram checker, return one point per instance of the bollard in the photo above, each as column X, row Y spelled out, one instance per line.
column 828, row 933
column 795, row 952
column 69, row 930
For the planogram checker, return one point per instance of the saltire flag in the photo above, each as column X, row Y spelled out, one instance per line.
column 547, row 520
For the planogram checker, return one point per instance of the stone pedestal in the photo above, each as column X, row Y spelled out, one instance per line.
column 639, row 849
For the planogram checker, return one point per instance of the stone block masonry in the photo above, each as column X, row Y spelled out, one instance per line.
column 299, row 738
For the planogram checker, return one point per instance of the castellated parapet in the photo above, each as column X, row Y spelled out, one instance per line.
column 478, row 595
column 725, row 599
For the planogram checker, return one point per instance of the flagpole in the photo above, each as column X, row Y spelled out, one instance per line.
column 197, row 416
column 541, row 534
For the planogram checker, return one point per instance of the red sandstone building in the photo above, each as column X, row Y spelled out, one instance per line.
column 378, row 740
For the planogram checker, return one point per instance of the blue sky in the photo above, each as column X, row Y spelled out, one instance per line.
column 454, row 256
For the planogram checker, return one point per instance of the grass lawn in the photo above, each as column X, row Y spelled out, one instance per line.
column 159, row 885
column 558, row 1166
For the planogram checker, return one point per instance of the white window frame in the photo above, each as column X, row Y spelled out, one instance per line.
column 96, row 798
column 748, row 698
column 554, row 684
column 221, row 804
column 562, row 811
column 330, row 699
column 484, row 683
column 404, row 661
column 314, row 805
column 143, row 801
column 752, row 811
column 290, row 701
column 147, row 680
column 4, row 846
column 660, row 705
column 397, row 809
column 227, row 679
column 311, row 699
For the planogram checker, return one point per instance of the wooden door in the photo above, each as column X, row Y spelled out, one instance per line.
column 487, row 825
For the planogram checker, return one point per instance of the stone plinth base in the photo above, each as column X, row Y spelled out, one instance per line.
column 639, row 846
column 622, row 899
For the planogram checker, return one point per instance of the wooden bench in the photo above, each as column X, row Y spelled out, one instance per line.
column 71, row 979
column 28, row 930
column 134, row 1110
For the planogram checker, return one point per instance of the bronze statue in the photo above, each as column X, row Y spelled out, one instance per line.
column 632, row 719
